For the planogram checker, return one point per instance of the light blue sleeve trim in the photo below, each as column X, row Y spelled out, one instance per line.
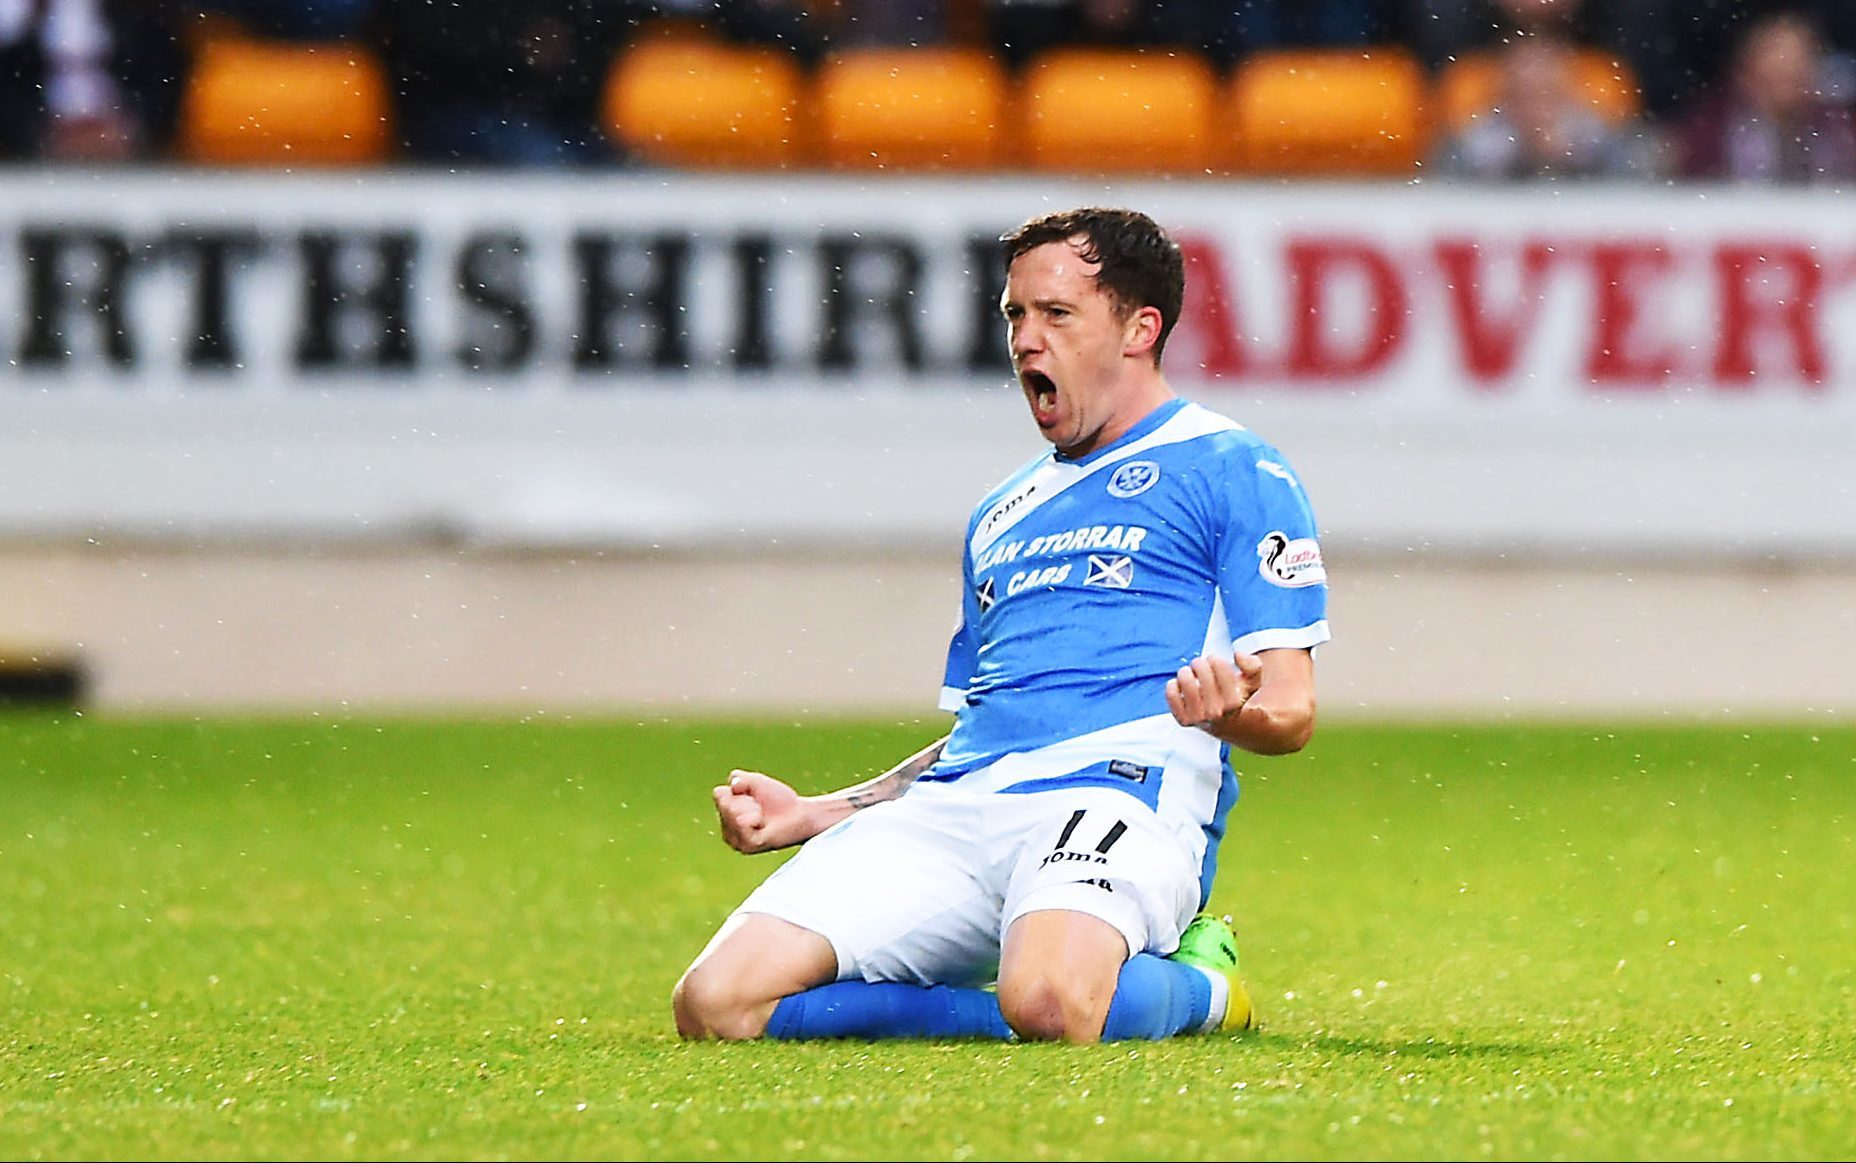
column 952, row 698
column 1306, row 638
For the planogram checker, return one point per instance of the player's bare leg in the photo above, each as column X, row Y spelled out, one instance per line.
column 1057, row 974
column 752, row 962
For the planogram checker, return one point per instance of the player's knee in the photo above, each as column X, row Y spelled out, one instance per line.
column 1051, row 1011
column 707, row 1005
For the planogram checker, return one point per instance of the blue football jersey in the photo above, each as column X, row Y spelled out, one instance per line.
column 1090, row 582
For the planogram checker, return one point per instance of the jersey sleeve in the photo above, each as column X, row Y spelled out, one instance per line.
column 963, row 650
column 962, row 659
column 1271, row 580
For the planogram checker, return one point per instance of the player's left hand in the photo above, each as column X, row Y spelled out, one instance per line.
column 1204, row 693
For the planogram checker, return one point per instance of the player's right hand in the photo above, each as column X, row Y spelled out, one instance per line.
column 1211, row 692
column 758, row 813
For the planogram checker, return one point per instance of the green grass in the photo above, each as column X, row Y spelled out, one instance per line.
column 457, row 940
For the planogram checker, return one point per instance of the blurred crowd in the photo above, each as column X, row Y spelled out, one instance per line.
column 1728, row 89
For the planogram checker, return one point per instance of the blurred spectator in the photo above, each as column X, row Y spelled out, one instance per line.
column 1541, row 126
column 1665, row 43
column 1681, row 49
column 58, row 99
column 1771, row 119
column 1674, row 48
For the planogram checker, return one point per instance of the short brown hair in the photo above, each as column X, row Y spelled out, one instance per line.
column 1137, row 263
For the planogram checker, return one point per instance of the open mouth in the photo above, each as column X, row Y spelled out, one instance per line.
column 1043, row 392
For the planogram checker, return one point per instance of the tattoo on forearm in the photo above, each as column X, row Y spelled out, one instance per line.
column 896, row 780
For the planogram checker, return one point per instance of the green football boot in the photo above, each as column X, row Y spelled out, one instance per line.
column 1209, row 944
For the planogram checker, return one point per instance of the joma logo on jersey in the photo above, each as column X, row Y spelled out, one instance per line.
column 1004, row 507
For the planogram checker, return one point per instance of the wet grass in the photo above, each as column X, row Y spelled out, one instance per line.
column 345, row 939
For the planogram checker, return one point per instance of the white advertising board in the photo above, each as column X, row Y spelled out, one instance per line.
column 640, row 360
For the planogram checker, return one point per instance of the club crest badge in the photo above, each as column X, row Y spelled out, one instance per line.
column 1133, row 479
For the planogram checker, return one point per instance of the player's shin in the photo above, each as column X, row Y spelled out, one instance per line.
column 1157, row 998
column 886, row 1009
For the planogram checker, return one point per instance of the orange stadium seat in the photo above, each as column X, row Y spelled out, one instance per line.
column 1311, row 112
column 1471, row 84
column 259, row 102
column 1117, row 111
column 910, row 109
column 703, row 103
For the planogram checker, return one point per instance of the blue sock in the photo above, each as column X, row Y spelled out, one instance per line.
column 888, row 1009
column 1157, row 998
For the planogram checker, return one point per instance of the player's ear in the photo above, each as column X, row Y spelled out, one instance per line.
column 1141, row 332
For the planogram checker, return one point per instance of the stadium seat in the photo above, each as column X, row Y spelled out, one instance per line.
column 1471, row 84
column 1315, row 112
column 707, row 104
column 910, row 109
column 1117, row 111
column 30, row 675
column 258, row 102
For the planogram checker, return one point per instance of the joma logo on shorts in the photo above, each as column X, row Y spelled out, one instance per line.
column 1065, row 854
column 1100, row 856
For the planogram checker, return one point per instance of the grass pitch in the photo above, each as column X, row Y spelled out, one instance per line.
column 342, row 939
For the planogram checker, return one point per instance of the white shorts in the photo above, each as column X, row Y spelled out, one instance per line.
column 922, row 889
